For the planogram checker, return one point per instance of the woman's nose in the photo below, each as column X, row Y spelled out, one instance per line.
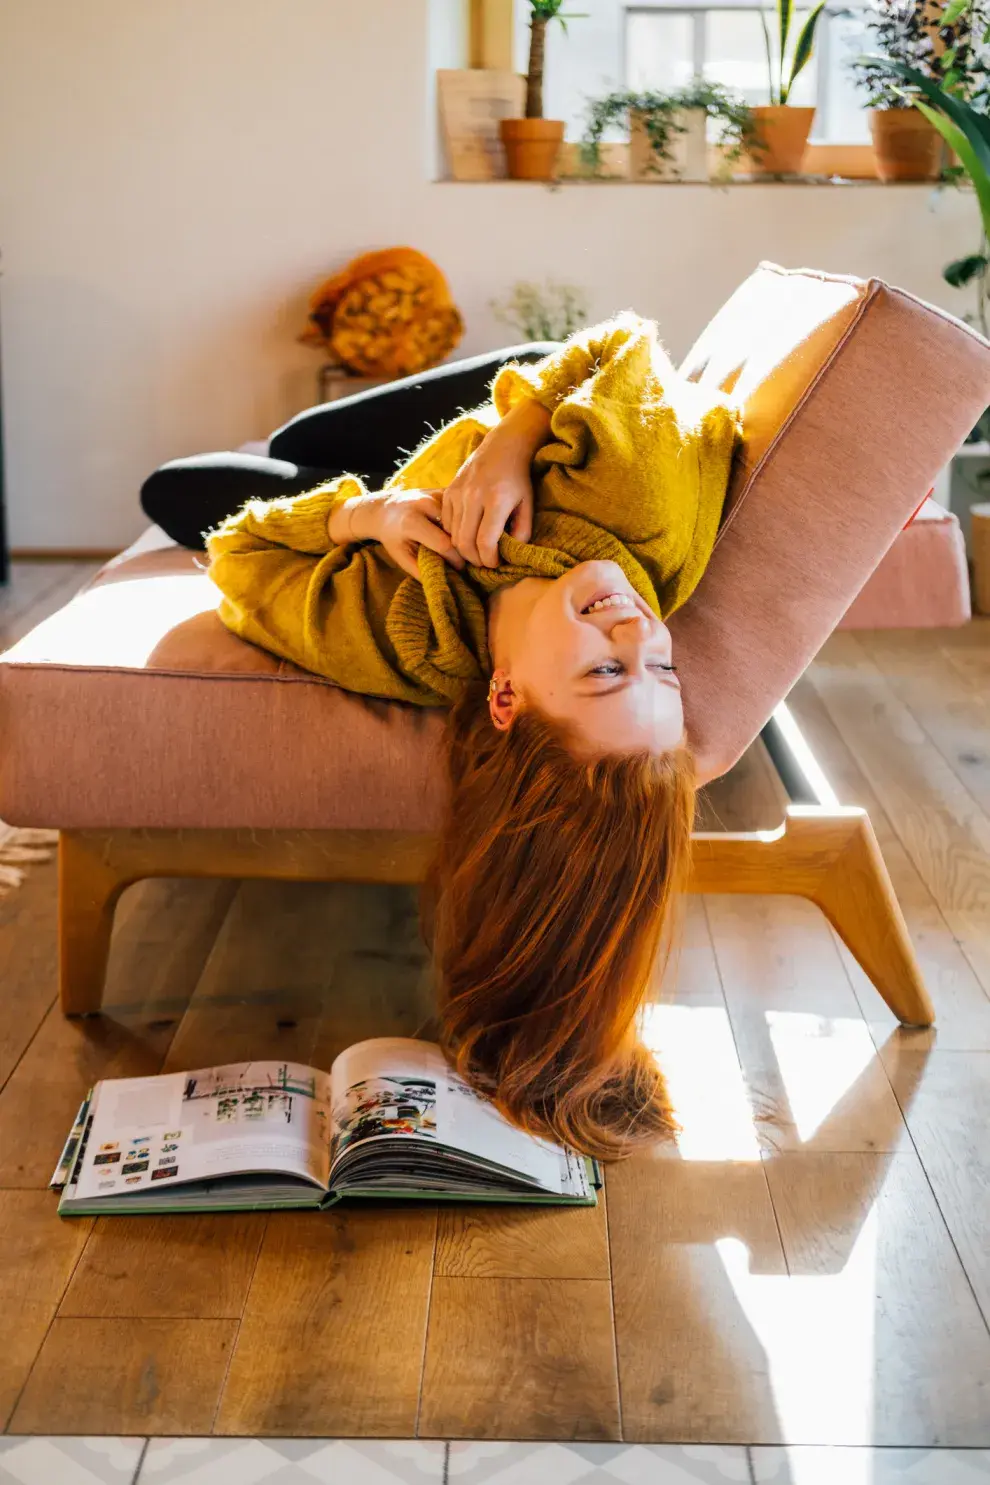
column 632, row 626
column 634, row 632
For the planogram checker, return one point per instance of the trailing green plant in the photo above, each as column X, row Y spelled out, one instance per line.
column 662, row 115
column 542, row 12
column 966, row 130
column 948, row 47
column 780, row 90
column 549, row 311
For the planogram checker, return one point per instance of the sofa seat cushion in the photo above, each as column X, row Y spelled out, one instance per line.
column 922, row 582
column 134, row 706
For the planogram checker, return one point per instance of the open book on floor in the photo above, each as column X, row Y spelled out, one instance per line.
column 390, row 1119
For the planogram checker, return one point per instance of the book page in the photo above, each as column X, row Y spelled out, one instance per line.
column 394, row 1088
column 247, row 1117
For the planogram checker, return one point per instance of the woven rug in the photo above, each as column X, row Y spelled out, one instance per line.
column 20, row 849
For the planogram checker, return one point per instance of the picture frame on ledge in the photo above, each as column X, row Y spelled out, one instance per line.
column 472, row 102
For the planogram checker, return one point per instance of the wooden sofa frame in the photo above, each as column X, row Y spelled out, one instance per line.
column 821, row 851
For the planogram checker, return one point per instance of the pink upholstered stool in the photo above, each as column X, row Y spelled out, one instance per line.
column 922, row 582
column 173, row 749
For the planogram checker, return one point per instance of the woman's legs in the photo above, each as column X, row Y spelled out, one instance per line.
column 190, row 496
column 379, row 428
column 367, row 434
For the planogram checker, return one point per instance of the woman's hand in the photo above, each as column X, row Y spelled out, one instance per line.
column 493, row 491
column 402, row 520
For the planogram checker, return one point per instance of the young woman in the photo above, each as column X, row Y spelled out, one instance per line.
column 517, row 569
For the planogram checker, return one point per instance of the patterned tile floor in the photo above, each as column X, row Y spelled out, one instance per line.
column 107, row 1461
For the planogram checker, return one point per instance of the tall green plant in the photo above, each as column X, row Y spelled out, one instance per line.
column 542, row 12
column 967, row 132
column 780, row 90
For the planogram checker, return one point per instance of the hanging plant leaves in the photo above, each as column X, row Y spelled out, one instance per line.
column 964, row 270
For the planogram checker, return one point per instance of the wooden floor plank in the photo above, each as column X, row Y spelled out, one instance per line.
column 333, row 1334
column 943, row 829
column 691, row 1367
column 182, row 1267
column 687, row 1028
column 946, row 1101
column 39, row 1103
column 522, row 1243
column 160, row 944
column 954, row 714
column 809, row 1060
column 876, row 1337
column 262, row 990
column 382, row 983
column 961, row 1005
column 967, row 650
column 500, row 1321
column 126, row 1377
column 303, row 970
column 37, row 1257
column 520, row 1359
column 28, row 962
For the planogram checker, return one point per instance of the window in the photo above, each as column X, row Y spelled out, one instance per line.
column 663, row 44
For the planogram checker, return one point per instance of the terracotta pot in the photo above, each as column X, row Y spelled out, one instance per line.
column 688, row 152
column 783, row 131
column 532, row 147
column 906, row 145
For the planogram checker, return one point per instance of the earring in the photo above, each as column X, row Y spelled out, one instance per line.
column 492, row 688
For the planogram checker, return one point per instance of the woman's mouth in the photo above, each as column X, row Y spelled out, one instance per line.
column 609, row 600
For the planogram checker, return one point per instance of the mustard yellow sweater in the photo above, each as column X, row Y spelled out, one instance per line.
column 637, row 472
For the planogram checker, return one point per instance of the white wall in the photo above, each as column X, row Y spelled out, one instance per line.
column 176, row 175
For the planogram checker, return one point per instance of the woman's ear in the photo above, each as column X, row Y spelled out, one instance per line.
column 503, row 703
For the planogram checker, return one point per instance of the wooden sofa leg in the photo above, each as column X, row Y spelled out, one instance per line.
column 858, row 899
column 88, row 890
column 831, row 857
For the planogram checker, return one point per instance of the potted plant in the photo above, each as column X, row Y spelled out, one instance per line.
column 936, row 46
column 781, row 129
column 532, row 144
column 966, row 131
column 550, row 311
column 668, row 131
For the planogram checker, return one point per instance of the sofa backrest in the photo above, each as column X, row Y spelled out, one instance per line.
column 854, row 396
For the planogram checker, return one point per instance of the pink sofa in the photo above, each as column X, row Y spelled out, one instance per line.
column 161, row 745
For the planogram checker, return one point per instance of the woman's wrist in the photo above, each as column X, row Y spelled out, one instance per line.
column 354, row 520
column 524, row 429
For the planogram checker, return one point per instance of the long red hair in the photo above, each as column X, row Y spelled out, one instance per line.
column 551, row 895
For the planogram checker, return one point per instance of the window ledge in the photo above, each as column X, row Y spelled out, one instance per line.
column 796, row 182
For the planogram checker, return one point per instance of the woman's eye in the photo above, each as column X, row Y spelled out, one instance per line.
column 658, row 665
column 607, row 667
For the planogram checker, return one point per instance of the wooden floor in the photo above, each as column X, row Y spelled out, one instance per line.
column 811, row 1264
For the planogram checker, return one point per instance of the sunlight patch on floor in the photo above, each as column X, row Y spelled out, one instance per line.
column 697, row 1053
column 819, row 1059
column 817, row 1331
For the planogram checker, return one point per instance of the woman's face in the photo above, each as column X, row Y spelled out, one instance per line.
column 589, row 652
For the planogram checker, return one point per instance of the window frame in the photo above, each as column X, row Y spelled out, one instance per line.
column 698, row 13
column 492, row 45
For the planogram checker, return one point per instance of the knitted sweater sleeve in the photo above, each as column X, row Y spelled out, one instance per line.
column 289, row 589
column 578, row 361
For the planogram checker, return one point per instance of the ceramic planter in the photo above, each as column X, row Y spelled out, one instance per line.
column 532, row 147
column 783, row 132
column 906, row 145
column 688, row 151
